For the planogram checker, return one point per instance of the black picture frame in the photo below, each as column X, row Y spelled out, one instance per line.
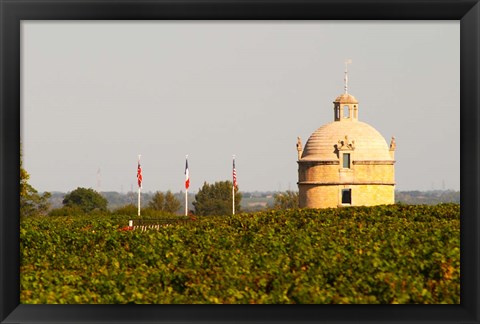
column 12, row 12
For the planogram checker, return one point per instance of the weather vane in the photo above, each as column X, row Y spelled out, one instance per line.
column 349, row 61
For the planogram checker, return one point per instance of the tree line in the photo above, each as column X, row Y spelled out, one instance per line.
column 211, row 199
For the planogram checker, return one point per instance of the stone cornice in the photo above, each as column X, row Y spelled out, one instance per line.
column 355, row 162
column 324, row 162
column 318, row 183
column 374, row 162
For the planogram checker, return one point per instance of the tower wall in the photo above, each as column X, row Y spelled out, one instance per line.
column 330, row 196
column 321, row 182
column 379, row 172
column 314, row 172
column 316, row 196
column 329, row 172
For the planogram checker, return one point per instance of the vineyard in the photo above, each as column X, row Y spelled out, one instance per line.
column 383, row 254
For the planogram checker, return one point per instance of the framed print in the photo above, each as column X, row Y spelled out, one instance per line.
column 101, row 38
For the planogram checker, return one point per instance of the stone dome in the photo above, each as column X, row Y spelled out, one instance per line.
column 346, row 98
column 368, row 143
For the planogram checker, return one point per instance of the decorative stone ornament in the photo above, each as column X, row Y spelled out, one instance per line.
column 299, row 147
column 393, row 145
column 345, row 144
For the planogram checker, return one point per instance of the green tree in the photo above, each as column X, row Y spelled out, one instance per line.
column 87, row 200
column 216, row 199
column 158, row 201
column 31, row 202
column 164, row 202
column 285, row 200
column 172, row 205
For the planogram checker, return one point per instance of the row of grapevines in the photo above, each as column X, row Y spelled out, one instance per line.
column 382, row 254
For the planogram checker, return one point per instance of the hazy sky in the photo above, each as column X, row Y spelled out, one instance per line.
column 97, row 94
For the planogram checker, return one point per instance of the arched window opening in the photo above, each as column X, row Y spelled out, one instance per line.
column 346, row 112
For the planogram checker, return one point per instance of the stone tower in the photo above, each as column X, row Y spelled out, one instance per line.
column 346, row 162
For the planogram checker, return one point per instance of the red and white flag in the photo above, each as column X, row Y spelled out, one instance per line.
column 234, row 175
column 187, row 177
column 139, row 175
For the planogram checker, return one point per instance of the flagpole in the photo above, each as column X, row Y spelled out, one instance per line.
column 186, row 185
column 233, row 188
column 139, row 188
column 138, row 201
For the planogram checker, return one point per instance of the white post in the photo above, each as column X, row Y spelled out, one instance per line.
column 139, row 183
column 187, row 184
column 234, row 180
column 139, row 201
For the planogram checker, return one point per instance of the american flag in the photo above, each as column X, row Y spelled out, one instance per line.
column 139, row 175
column 187, row 176
column 234, row 175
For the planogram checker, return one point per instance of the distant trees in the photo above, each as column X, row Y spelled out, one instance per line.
column 87, row 200
column 172, row 205
column 164, row 202
column 31, row 202
column 285, row 200
column 158, row 201
column 216, row 199
column 427, row 197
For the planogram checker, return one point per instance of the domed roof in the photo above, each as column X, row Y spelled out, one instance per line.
column 346, row 98
column 368, row 143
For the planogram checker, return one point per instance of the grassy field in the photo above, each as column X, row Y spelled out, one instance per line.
column 383, row 254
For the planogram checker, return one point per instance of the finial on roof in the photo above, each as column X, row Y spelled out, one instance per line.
column 349, row 61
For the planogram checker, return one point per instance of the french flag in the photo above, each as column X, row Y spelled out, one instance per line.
column 187, row 177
